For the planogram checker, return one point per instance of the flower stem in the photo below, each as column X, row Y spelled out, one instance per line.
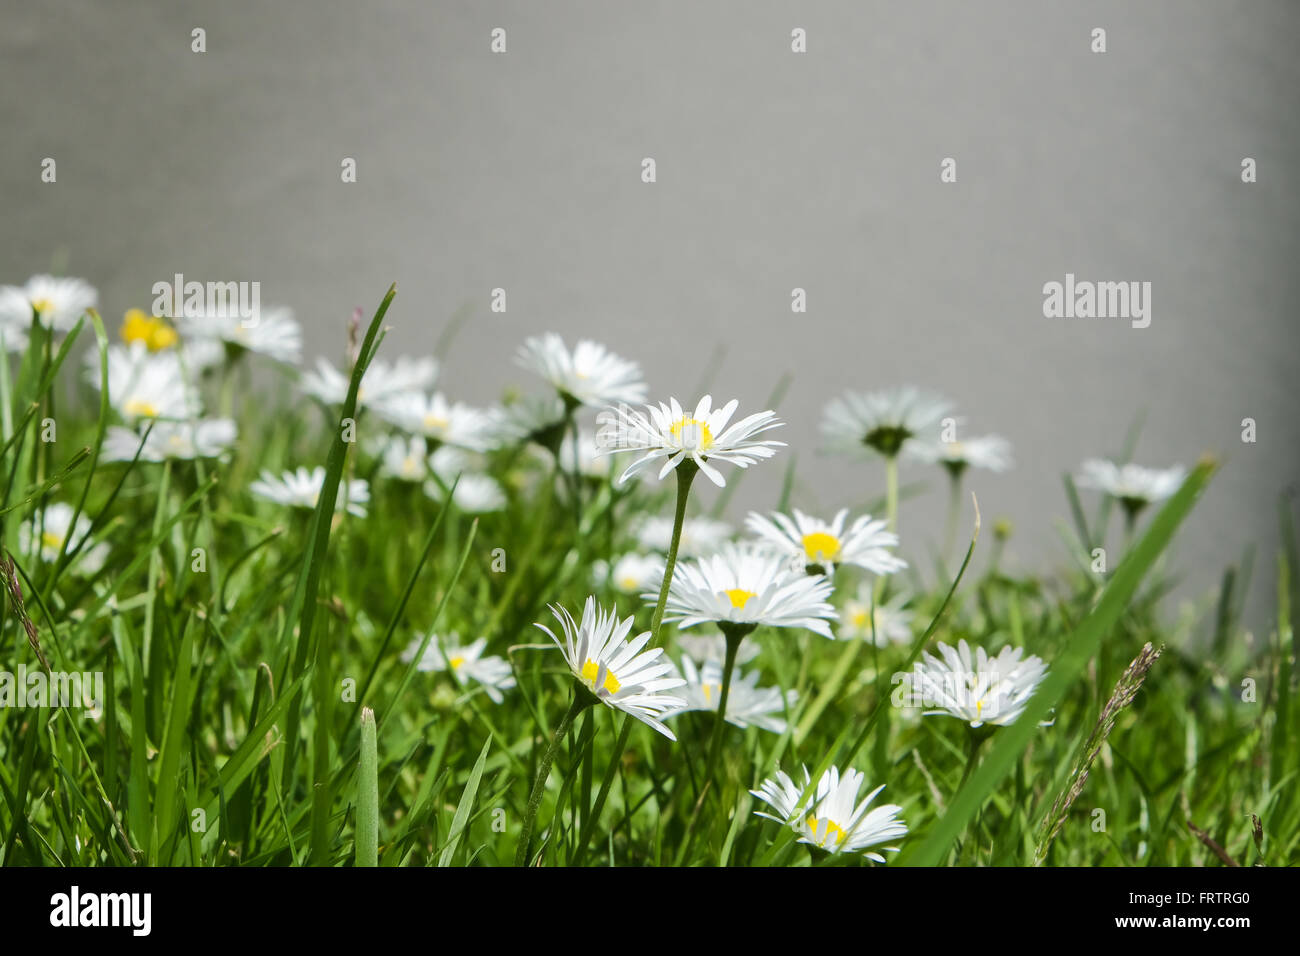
column 954, row 509
column 891, row 492
column 686, row 470
column 543, row 772
column 734, row 636
column 974, row 740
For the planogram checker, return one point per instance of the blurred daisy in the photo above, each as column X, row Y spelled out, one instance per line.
column 184, row 441
column 438, row 420
column 51, row 527
column 476, row 493
column 59, row 302
column 156, row 333
column 465, row 663
column 589, row 375
column 145, row 385
column 532, row 419
column 275, row 334
column 883, row 422
column 615, row 670
column 634, row 573
column 666, row 433
column 978, row 688
column 703, row 648
column 748, row 705
column 302, row 488
column 406, row 459
column 382, row 381
column 832, row 818
column 1134, row 486
column 699, row 536
column 743, row 586
column 590, row 462
column 988, row 451
column 893, row 624
column 815, row 544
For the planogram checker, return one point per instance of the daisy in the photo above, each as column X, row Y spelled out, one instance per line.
column 144, row 385
column 978, row 688
column 58, row 302
column 302, row 488
column 988, row 451
column 406, row 459
column 275, row 334
column 893, row 624
column 881, row 421
column 381, row 382
column 832, row 818
column 464, row 663
column 438, row 420
column 743, row 586
column 699, row 536
column 1134, row 486
column 51, row 527
column 666, row 432
column 748, row 705
column 475, row 493
column 817, row 545
column 634, row 573
column 615, row 670
column 185, row 441
column 590, row 375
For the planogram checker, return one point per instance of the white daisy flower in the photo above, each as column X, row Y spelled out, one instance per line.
column 978, row 688
column 743, row 586
column 52, row 526
column 832, row 818
column 699, row 536
column 381, row 382
column 634, row 573
column 531, row 419
column 1133, row 485
column 476, row 493
column 893, row 624
column 702, row 648
column 60, row 302
column 590, row 375
column 183, row 441
column 275, row 334
column 881, row 421
column 438, row 420
column 406, row 459
column 668, row 433
column 748, row 705
column 464, row 663
column 811, row 542
column 143, row 385
column 302, row 488
column 987, row 451
column 617, row 671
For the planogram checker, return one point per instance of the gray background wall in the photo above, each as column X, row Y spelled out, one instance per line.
column 775, row 170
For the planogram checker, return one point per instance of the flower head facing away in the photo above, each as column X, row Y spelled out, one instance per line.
column 883, row 422
column 302, row 488
column 1133, row 485
column 668, row 434
column 833, row 818
column 616, row 671
column 589, row 375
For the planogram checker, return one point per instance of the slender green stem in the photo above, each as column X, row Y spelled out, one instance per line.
column 685, row 470
column 544, row 772
column 734, row 636
column 891, row 492
column 973, row 740
column 954, row 509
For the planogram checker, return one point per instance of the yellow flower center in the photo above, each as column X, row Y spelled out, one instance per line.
column 739, row 596
column 693, row 434
column 860, row 619
column 833, row 830
column 629, row 583
column 435, row 422
column 52, row 540
column 456, row 662
column 41, row 306
column 591, row 670
column 708, row 691
column 153, row 332
column 137, row 408
column 820, row 546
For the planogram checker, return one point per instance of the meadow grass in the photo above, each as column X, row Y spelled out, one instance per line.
column 240, row 679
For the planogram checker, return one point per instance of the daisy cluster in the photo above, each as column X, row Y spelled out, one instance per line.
column 783, row 572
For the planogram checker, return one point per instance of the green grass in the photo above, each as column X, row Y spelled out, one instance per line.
column 233, row 729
